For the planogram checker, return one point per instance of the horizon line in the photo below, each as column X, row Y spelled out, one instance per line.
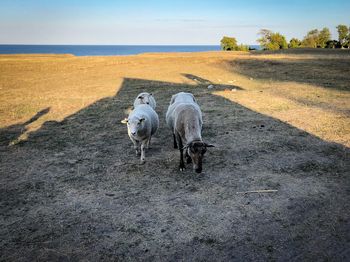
column 125, row 44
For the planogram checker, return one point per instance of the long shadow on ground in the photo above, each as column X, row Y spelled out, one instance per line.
column 12, row 133
column 74, row 190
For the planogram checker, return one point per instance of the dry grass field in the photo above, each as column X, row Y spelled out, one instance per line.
column 72, row 189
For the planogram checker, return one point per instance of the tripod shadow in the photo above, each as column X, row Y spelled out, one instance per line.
column 12, row 133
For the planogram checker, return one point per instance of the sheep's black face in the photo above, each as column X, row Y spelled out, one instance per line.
column 196, row 151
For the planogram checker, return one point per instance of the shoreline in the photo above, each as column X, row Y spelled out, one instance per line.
column 295, row 51
column 97, row 50
column 199, row 53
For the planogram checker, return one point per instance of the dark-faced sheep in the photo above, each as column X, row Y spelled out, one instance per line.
column 184, row 117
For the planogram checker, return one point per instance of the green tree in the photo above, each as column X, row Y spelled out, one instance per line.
column 316, row 38
column 323, row 37
column 294, row 43
column 228, row 43
column 280, row 40
column 272, row 41
column 343, row 32
column 265, row 37
column 311, row 39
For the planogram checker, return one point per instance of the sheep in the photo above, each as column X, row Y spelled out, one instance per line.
column 183, row 97
column 145, row 98
column 142, row 123
column 184, row 118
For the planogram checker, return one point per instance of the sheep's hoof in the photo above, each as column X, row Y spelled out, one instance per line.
column 142, row 162
column 182, row 169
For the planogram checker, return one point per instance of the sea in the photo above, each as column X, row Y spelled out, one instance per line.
column 106, row 50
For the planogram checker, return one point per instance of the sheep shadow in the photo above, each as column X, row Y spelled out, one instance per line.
column 74, row 189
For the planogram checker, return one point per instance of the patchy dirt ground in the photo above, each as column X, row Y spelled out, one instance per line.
column 73, row 189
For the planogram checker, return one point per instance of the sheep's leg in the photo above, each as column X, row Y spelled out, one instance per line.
column 188, row 158
column 143, row 149
column 182, row 165
column 136, row 146
column 148, row 143
column 175, row 144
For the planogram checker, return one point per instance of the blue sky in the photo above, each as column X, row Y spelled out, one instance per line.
column 162, row 22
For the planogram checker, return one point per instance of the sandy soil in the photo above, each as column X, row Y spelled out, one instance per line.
column 72, row 188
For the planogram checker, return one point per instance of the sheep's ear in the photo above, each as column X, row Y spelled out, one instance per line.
column 124, row 121
column 172, row 99
column 209, row 145
column 140, row 97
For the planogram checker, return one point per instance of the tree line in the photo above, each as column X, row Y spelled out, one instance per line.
column 315, row 38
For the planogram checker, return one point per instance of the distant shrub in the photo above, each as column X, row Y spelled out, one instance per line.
column 230, row 44
column 272, row 41
column 316, row 38
column 310, row 40
column 294, row 43
column 323, row 37
column 242, row 47
column 333, row 44
column 343, row 35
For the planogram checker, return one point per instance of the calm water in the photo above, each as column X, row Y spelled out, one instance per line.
column 88, row 50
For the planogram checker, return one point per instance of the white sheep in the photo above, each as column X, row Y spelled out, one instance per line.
column 145, row 98
column 142, row 123
column 184, row 117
